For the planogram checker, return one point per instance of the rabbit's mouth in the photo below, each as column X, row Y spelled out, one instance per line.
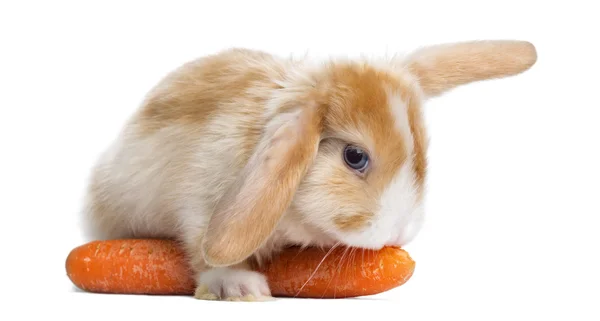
column 381, row 230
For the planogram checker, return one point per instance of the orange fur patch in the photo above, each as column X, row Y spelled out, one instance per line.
column 196, row 90
column 352, row 222
column 442, row 67
column 359, row 113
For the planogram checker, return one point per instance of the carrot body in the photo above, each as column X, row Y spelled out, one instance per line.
column 151, row 266
column 144, row 266
column 344, row 272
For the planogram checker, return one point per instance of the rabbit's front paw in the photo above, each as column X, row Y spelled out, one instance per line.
column 232, row 284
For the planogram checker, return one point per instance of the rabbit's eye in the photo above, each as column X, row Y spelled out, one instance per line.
column 356, row 158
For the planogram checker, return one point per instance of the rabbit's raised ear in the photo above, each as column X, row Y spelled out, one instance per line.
column 440, row 68
column 249, row 212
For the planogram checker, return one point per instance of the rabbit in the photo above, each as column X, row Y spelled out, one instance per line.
column 241, row 153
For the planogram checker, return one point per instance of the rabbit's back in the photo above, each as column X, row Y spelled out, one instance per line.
column 182, row 148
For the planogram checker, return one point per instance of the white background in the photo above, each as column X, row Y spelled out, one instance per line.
column 513, row 204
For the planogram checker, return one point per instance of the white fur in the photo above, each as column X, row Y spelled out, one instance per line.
column 133, row 195
column 412, row 226
column 398, row 219
column 400, row 112
column 231, row 283
column 399, row 205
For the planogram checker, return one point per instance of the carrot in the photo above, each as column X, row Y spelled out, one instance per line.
column 342, row 273
column 136, row 266
column 154, row 266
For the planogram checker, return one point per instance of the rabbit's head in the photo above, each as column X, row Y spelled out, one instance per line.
column 344, row 150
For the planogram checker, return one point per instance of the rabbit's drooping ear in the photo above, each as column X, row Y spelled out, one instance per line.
column 440, row 68
column 249, row 212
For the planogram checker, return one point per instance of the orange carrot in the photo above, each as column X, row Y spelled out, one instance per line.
column 136, row 266
column 341, row 273
column 153, row 266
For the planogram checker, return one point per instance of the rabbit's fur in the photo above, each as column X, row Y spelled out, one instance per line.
column 241, row 153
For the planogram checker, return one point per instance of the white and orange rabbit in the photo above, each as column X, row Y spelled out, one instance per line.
column 241, row 153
